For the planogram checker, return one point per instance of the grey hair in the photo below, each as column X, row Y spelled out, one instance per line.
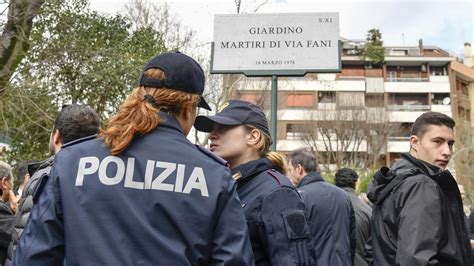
column 305, row 158
column 5, row 170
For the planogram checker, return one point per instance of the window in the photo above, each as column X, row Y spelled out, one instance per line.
column 440, row 99
column 374, row 100
column 327, row 97
column 464, row 114
column 438, row 71
column 464, row 89
column 398, row 52
column 409, row 99
column 298, row 131
column 351, row 99
column 392, row 75
column 403, row 132
column 300, row 100
column 250, row 97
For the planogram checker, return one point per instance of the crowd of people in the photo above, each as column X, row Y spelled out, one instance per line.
column 138, row 192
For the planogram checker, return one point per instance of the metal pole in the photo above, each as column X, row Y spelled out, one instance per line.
column 274, row 112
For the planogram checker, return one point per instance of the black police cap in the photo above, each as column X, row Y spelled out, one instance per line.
column 236, row 113
column 182, row 73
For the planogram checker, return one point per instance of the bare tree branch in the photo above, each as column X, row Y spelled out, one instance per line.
column 14, row 39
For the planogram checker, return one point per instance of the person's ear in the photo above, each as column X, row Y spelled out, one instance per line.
column 299, row 169
column 254, row 137
column 187, row 112
column 414, row 142
column 57, row 138
column 4, row 183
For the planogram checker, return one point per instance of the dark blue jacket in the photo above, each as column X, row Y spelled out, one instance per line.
column 333, row 221
column 162, row 201
column 279, row 231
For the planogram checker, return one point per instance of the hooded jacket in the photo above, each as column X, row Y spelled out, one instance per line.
column 417, row 216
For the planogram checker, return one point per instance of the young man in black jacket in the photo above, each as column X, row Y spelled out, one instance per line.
column 418, row 217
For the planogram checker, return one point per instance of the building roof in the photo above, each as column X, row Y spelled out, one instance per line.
column 463, row 71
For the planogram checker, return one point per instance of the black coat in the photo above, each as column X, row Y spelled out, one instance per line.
column 25, row 203
column 6, row 228
column 332, row 220
column 417, row 217
column 363, row 215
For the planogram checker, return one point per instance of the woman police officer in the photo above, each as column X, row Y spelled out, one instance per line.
column 141, row 193
column 278, row 228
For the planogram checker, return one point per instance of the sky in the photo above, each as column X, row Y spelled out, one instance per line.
column 446, row 24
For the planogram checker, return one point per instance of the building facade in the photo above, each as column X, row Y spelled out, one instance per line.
column 363, row 115
column 462, row 95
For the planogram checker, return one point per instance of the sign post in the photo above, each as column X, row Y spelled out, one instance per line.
column 272, row 45
column 274, row 116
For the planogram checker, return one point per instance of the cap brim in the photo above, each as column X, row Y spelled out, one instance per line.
column 203, row 104
column 207, row 123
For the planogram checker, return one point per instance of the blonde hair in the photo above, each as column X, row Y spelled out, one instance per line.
column 263, row 148
column 136, row 116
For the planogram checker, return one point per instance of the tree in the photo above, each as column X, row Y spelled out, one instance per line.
column 147, row 14
column 373, row 49
column 14, row 39
column 86, row 57
column 76, row 56
column 346, row 133
column 463, row 156
column 252, row 6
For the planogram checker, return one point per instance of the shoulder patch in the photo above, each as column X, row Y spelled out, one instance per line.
column 65, row 145
column 212, row 155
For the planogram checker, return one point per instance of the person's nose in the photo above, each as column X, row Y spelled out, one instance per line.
column 213, row 135
column 447, row 150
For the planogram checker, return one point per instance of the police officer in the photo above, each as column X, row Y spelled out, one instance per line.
column 141, row 193
column 278, row 228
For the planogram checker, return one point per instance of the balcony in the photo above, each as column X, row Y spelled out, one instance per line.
column 291, row 145
column 441, row 108
column 435, row 84
column 390, row 79
column 322, row 85
column 404, row 116
column 409, row 108
column 398, row 144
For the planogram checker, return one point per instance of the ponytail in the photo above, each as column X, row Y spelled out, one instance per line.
column 138, row 113
column 278, row 160
column 263, row 147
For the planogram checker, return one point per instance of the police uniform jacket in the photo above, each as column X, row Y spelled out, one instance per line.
column 278, row 228
column 162, row 201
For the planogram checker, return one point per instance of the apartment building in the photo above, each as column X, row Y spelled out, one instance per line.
column 462, row 95
column 363, row 115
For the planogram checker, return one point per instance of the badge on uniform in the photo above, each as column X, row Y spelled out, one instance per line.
column 223, row 106
column 237, row 176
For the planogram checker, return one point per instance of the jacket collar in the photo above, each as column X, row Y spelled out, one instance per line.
column 385, row 180
column 349, row 190
column 251, row 168
column 426, row 168
column 169, row 121
column 311, row 177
